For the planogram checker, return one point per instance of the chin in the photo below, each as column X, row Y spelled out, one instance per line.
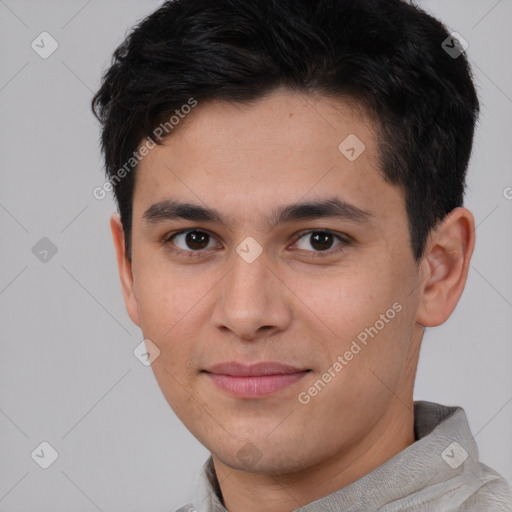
column 262, row 456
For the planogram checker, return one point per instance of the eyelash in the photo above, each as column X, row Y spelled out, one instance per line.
column 344, row 242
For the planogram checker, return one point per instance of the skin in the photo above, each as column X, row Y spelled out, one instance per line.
column 286, row 306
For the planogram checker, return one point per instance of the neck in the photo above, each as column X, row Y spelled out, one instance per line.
column 246, row 492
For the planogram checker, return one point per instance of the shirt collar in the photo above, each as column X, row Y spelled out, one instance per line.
column 442, row 437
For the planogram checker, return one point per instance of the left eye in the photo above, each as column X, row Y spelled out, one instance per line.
column 321, row 241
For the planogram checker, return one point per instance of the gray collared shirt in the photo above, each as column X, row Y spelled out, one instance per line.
column 439, row 472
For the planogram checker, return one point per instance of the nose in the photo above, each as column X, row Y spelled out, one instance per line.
column 252, row 300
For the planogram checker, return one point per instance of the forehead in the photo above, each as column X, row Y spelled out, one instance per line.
column 282, row 148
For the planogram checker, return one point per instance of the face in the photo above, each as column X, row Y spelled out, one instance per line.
column 255, row 273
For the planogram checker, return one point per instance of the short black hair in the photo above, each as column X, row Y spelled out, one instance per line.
column 386, row 55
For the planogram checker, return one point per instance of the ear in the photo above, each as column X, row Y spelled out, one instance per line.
column 445, row 267
column 125, row 268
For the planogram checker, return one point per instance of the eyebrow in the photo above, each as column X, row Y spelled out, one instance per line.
column 332, row 208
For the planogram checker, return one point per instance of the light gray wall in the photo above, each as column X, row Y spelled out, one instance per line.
column 67, row 372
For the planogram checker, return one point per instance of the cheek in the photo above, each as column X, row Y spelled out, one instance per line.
column 179, row 392
column 344, row 302
column 165, row 295
column 361, row 315
column 170, row 309
column 175, row 305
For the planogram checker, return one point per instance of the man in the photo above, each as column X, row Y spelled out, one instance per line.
column 290, row 179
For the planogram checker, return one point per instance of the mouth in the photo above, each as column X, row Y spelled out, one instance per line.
column 256, row 380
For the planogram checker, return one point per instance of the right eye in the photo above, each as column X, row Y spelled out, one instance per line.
column 192, row 241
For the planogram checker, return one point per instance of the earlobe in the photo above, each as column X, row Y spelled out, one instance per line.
column 445, row 267
column 125, row 268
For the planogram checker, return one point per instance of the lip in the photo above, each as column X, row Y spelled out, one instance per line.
column 236, row 369
column 254, row 380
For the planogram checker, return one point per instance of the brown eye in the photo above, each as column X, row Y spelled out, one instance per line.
column 321, row 241
column 318, row 240
column 192, row 240
column 197, row 239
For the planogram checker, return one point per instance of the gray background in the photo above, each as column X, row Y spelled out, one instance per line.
column 68, row 373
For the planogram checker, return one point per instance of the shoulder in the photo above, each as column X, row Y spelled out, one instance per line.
column 186, row 508
column 494, row 493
